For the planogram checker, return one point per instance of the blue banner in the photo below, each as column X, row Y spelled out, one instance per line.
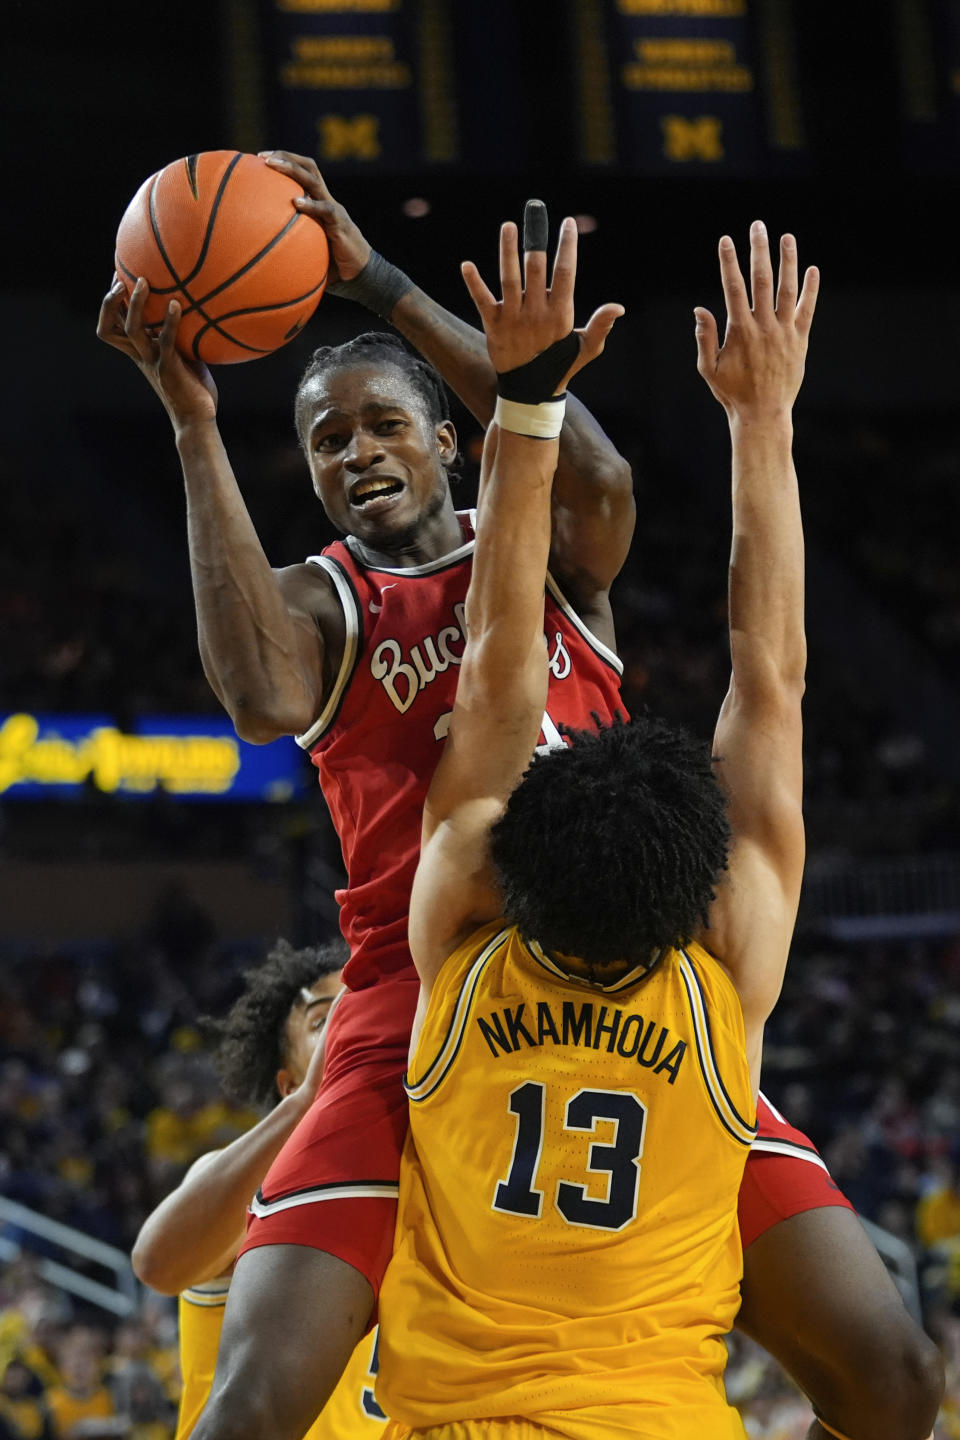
column 53, row 757
column 395, row 86
column 364, row 84
column 687, row 87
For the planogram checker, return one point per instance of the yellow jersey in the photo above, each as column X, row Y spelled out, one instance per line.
column 567, row 1229
column 351, row 1413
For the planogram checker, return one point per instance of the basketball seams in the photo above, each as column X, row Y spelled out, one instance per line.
column 211, row 221
column 217, row 324
column 255, row 260
column 195, row 307
column 277, row 305
column 190, row 164
column 166, row 247
column 155, row 229
column 181, row 284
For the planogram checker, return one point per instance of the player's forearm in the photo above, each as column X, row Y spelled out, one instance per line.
column 592, row 478
column 505, row 598
column 768, row 644
column 195, row 1232
column 248, row 640
column 453, row 347
column 591, row 472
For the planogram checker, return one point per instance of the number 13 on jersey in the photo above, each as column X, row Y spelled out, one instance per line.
column 618, row 1161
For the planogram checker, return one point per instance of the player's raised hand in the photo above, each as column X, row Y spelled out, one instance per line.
column 758, row 369
column 532, row 315
column 349, row 250
column 185, row 387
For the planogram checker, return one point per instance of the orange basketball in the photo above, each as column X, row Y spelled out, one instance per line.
column 218, row 232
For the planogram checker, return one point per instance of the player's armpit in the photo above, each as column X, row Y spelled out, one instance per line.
column 751, row 926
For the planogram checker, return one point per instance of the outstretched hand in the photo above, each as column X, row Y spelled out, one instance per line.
column 349, row 250
column 758, row 369
column 532, row 316
column 186, row 387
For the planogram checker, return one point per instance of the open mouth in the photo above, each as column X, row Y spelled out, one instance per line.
column 366, row 492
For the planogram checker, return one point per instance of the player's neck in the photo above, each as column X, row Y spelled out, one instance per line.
column 434, row 537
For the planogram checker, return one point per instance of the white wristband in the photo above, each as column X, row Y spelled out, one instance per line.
column 539, row 422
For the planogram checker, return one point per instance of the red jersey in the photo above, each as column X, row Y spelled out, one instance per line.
column 776, row 1136
column 378, row 738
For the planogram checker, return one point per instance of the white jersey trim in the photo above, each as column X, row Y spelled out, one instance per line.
column 422, row 1089
column 452, row 557
column 430, row 567
column 361, row 1190
column 770, row 1106
column 604, row 651
column 351, row 649
column 789, row 1148
column 732, row 1122
column 211, row 1295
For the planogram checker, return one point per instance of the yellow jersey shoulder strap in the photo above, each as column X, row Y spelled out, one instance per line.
column 209, row 1295
column 453, row 995
column 710, row 989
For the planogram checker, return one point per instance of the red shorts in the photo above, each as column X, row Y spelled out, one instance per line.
column 348, row 1145
column 784, row 1176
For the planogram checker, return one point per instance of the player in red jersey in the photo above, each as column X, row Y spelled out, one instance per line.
column 276, row 648
column 283, row 652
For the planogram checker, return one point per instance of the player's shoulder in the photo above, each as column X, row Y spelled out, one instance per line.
column 309, row 588
column 202, row 1162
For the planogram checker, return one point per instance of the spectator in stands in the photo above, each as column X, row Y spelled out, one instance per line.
column 81, row 1397
column 938, row 1229
column 23, row 1409
column 938, row 1214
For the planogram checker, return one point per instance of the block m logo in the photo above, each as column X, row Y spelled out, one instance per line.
column 696, row 139
column 349, row 137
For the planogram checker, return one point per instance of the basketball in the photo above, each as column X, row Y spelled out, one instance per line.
column 218, row 232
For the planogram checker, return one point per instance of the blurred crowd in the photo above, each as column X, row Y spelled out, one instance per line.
column 69, row 1379
column 886, row 493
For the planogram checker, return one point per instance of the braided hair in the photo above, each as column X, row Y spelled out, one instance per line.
column 374, row 347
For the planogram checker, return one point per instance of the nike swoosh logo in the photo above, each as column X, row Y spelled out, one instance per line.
column 374, row 607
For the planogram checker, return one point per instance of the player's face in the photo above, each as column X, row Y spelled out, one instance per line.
column 376, row 458
column 305, row 1025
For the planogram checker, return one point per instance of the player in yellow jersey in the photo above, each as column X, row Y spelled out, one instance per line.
column 600, row 937
column 270, row 1045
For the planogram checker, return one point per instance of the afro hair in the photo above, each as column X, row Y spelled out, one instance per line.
column 250, row 1039
column 609, row 849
